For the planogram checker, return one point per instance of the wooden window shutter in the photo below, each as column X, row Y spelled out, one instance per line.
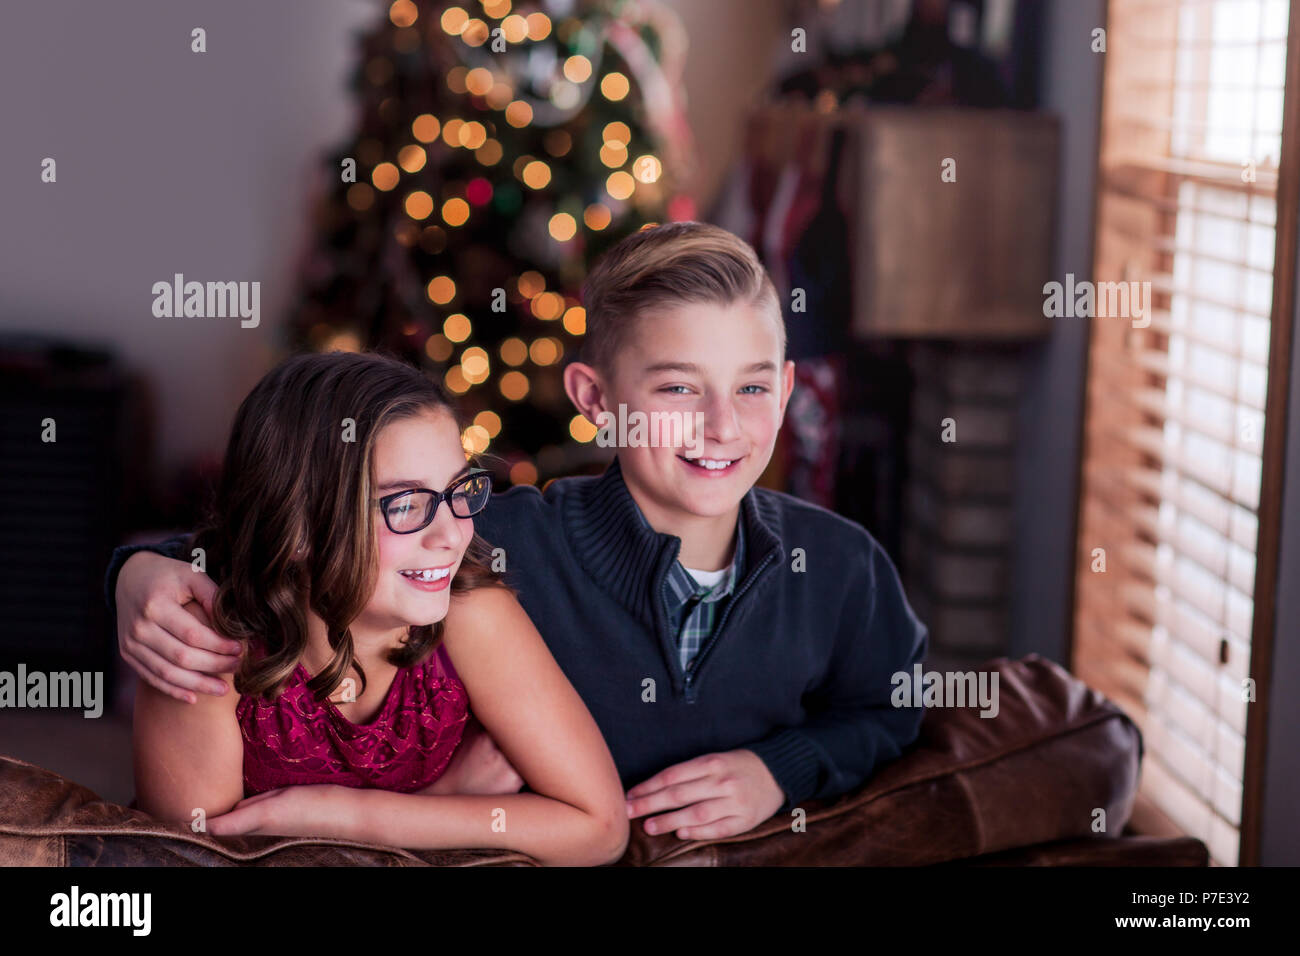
column 1174, row 434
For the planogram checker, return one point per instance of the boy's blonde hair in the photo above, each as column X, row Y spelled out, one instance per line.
column 663, row 266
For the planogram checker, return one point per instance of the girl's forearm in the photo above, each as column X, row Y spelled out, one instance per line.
column 550, row 831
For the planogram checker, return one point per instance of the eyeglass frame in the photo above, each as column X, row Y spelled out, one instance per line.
column 438, row 498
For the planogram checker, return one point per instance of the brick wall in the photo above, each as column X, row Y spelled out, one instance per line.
column 957, row 546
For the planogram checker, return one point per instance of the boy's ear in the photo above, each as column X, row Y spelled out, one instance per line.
column 787, row 385
column 585, row 388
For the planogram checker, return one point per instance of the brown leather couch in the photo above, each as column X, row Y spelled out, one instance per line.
column 1019, row 789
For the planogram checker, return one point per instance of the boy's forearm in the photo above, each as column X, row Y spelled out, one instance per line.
column 833, row 753
column 550, row 831
column 859, row 729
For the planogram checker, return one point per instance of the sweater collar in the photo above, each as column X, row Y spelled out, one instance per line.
column 629, row 559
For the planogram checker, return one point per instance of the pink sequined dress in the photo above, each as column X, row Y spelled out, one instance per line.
column 297, row 739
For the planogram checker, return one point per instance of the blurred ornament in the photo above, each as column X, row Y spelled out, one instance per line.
column 478, row 191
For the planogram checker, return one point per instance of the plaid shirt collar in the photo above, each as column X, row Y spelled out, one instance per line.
column 680, row 586
column 624, row 557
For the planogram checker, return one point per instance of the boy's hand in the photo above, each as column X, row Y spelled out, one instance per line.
column 716, row 795
column 166, row 645
column 477, row 767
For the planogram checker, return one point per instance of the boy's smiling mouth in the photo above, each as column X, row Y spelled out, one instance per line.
column 711, row 467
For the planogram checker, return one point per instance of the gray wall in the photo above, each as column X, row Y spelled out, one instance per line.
column 1052, row 405
column 168, row 161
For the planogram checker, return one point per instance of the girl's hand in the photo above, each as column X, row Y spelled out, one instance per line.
column 477, row 767
column 313, row 810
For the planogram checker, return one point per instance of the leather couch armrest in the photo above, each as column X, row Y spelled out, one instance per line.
column 47, row 820
column 1056, row 753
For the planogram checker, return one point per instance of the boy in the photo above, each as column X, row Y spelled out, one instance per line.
column 735, row 645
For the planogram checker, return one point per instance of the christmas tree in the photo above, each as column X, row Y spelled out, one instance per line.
column 502, row 147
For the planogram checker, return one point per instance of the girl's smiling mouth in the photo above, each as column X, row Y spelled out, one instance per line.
column 428, row 579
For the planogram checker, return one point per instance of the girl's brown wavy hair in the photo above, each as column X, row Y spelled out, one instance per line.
column 293, row 522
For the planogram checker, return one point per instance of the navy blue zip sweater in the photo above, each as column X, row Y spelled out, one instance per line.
column 798, row 668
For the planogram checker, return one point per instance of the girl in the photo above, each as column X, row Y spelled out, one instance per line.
column 343, row 544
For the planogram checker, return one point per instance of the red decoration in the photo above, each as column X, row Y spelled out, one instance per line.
column 681, row 208
column 479, row 191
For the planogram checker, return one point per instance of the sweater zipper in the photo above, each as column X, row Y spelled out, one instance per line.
column 689, row 691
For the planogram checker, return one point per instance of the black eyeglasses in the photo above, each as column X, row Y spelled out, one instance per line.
column 406, row 512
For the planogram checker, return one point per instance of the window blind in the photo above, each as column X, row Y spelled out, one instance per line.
column 1191, row 140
